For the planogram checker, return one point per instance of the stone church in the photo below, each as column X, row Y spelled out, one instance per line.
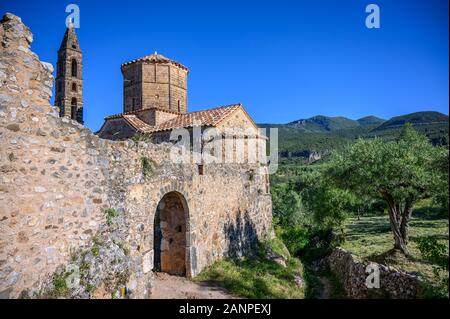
column 156, row 102
column 103, row 211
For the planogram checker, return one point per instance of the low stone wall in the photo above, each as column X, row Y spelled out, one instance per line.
column 352, row 275
column 71, row 202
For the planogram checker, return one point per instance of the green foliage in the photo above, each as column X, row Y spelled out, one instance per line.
column 398, row 172
column 436, row 253
column 433, row 251
column 60, row 288
column 90, row 288
column 287, row 205
column 330, row 206
column 400, row 168
column 278, row 246
column 148, row 166
column 419, row 118
column 295, row 237
column 256, row 277
column 440, row 165
column 325, row 134
column 95, row 250
column 146, row 138
column 110, row 213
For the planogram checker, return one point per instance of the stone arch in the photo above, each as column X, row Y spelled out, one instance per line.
column 172, row 235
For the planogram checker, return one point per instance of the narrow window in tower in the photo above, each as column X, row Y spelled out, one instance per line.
column 74, row 68
column 179, row 108
column 74, row 87
column 73, row 110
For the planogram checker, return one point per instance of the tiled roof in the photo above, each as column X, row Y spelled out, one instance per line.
column 116, row 116
column 210, row 117
column 156, row 58
column 137, row 123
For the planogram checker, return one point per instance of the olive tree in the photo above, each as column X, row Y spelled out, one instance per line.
column 399, row 172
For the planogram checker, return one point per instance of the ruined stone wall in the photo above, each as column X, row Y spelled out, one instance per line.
column 70, row 199
column 351, row 273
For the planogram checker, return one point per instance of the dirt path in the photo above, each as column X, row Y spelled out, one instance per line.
column 173, row 287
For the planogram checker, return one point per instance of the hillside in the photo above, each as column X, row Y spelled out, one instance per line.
column 370, row 120
column 322, row 123
column 314, row 137
column 418, row 118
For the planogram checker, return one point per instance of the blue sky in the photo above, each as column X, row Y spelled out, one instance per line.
column 284, row 60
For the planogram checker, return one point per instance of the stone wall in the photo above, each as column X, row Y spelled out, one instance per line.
column 352, row 275
column 70, row 200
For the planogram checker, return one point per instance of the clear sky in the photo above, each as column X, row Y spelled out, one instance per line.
column 284, row 60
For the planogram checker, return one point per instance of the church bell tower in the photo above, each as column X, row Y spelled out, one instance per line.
column 69, row 80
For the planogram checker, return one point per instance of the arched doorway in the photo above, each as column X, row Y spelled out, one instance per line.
column 170, row 235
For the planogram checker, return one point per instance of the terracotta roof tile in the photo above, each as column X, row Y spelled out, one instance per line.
column 210, row 117
column 137, row 123
column 119, row 115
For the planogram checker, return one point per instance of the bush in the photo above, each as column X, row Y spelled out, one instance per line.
column 435, row 253
column 148, row 166
column 295, row 237
column 110, row 213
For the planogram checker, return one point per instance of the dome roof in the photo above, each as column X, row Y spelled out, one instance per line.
column 156, row 58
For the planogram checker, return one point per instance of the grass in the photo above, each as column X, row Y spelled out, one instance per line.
column 257, row 277
column 370, row 238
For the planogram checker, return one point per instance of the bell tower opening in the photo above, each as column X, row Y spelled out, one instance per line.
column 74, row 68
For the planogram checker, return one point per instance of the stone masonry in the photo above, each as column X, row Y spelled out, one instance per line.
column 351, row 273
column 73, row 205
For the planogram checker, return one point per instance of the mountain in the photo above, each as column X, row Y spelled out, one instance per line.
column 418, row 118
column 370, row 120
column 322, row 123
column 317, row 136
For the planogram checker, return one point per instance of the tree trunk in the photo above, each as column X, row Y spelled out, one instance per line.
column 397, row 225
column 404, row 226
column 400, row 243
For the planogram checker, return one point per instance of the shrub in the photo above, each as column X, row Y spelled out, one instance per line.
column 147, row 166
column 110, row 214
column 435, row 253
